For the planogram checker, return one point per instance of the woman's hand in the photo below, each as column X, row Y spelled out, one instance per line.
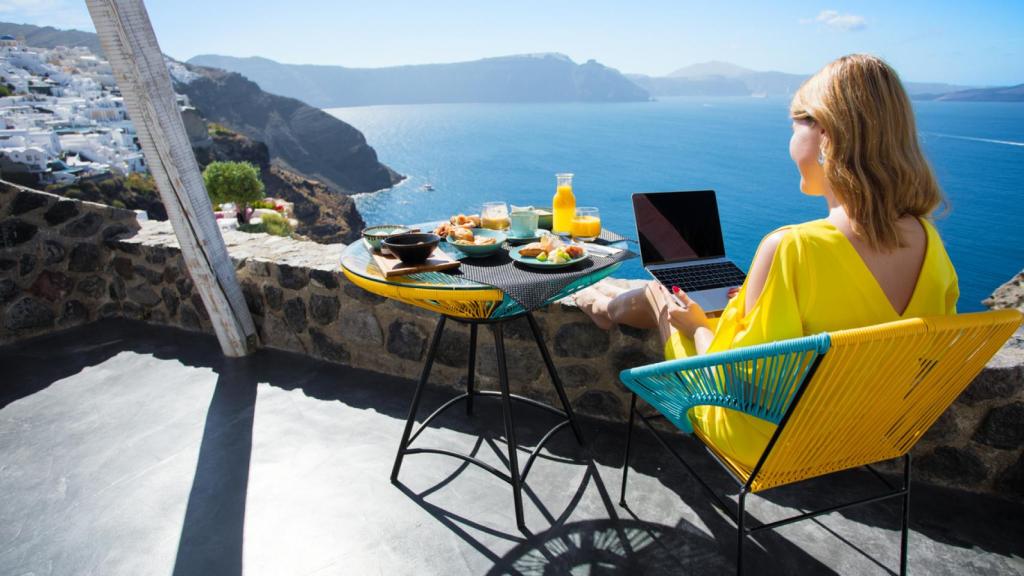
column 686, row 315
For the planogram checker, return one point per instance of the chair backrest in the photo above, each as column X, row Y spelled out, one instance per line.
column 877, row 391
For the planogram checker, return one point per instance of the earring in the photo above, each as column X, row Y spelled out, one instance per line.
column 821, row 157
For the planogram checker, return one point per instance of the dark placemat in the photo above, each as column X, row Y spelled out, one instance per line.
column 531, row 287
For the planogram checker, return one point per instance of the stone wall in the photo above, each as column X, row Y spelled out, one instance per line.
column 55, row 261
column 302, row 303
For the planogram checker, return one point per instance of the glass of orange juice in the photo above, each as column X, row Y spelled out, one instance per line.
column 586, row 224
column 495, row 216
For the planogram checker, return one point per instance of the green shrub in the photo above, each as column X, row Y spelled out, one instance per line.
column 237, row 182
column 215, row 129
column 273, row 224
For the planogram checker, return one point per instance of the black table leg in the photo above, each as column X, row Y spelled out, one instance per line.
column 510, row 429
column 472, row 369
column 424, row 375
column 555, row 380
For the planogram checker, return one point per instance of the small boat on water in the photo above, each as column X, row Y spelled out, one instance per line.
column 427, row 187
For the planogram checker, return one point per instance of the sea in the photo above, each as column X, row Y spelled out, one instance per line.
column 474, row 153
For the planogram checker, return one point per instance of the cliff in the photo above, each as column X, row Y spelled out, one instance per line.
column 303, row 138
column 1009, row 295
column 526, row 78
column 997, row 94
column 324, row 215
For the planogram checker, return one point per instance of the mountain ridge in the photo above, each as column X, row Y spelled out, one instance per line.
column 545, row 77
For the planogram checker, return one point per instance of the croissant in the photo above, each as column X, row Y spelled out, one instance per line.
column 532, row 250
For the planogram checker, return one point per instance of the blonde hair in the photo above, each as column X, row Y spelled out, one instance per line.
column 873, row 160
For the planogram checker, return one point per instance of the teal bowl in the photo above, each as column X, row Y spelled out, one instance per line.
column 374, row 235
column 476, row 251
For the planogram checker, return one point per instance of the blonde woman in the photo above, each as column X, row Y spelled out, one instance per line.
column 875, row 257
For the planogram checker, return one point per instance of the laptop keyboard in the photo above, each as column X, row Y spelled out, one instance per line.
column 701, row 277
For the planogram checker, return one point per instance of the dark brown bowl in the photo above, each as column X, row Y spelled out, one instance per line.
column 413, row 247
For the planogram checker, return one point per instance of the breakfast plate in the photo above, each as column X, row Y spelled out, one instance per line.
column 553, row 264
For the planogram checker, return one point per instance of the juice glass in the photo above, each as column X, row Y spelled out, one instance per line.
column 563, row 205
column 494, row 216
column 586, row 224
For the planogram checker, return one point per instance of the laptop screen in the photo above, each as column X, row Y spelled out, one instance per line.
column 677, row 226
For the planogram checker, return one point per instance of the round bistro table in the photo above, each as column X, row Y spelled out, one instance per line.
column 462, row 300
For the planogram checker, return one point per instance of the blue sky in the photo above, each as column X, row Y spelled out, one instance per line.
column 977, row 43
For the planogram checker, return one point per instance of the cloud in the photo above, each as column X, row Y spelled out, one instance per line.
column 834, row 19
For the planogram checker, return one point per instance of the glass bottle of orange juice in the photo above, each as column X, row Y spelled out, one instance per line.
column 563, row 205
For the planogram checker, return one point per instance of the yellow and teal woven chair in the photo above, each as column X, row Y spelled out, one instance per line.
column 840, row 400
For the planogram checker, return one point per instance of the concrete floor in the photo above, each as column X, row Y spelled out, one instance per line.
column 131, row 449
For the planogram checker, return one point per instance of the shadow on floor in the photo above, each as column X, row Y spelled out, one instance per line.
column 211, row 539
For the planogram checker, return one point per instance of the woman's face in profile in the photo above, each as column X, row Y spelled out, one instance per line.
column 804, row 147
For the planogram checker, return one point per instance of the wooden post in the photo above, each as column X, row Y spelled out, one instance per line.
column 138, row 64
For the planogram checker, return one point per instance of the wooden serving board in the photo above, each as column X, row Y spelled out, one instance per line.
column 390, row 266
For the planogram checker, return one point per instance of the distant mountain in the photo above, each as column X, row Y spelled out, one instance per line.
column 306, row 139
column 717, row 78
column 712, row 68
column 524, row 78
column 50, row 37
column 1000, row 94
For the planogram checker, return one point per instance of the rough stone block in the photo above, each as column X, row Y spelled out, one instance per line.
column 73, row 312
column 524, row 363
column 360, row 326
column 274, row 296
column 132, row 311
column 329, row 349
column 52, row 286
column 1011, row 481
column 170, row 299
column 253, row 300
column 454, row 348
column 54, row 252
column 295, row 315
column 291, row 277
column 578, row 376
column 117, row 289
column 184, row 286
column 406, row 340
column 153, row 276
column 8, row 290
column 26, row 264
column 110, row 310
column 85, row 258
column 25, row 201
column 116, row 232
column 84, row 227
column 14, row 232
column 324, row 279
column 61, row 212
column 581, row 340
column 189, row 319
column 957, row 466
column 323, row 309
column 28, row 313
column 144, row 296
column 123, row 267
column 92, row 286
column 600, row 403
column 632, row 356
column 1003, row 427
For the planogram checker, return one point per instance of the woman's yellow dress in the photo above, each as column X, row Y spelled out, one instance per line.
column 817, row 283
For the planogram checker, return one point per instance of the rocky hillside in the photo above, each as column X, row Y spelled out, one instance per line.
column 306, row 139
column 1009, row 295
column 324, row 215
column 524, row 78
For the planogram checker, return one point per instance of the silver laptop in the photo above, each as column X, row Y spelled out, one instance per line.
column 681, row 245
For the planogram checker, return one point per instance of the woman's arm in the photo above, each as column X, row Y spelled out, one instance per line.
column 760, row 267
column 686, row 316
